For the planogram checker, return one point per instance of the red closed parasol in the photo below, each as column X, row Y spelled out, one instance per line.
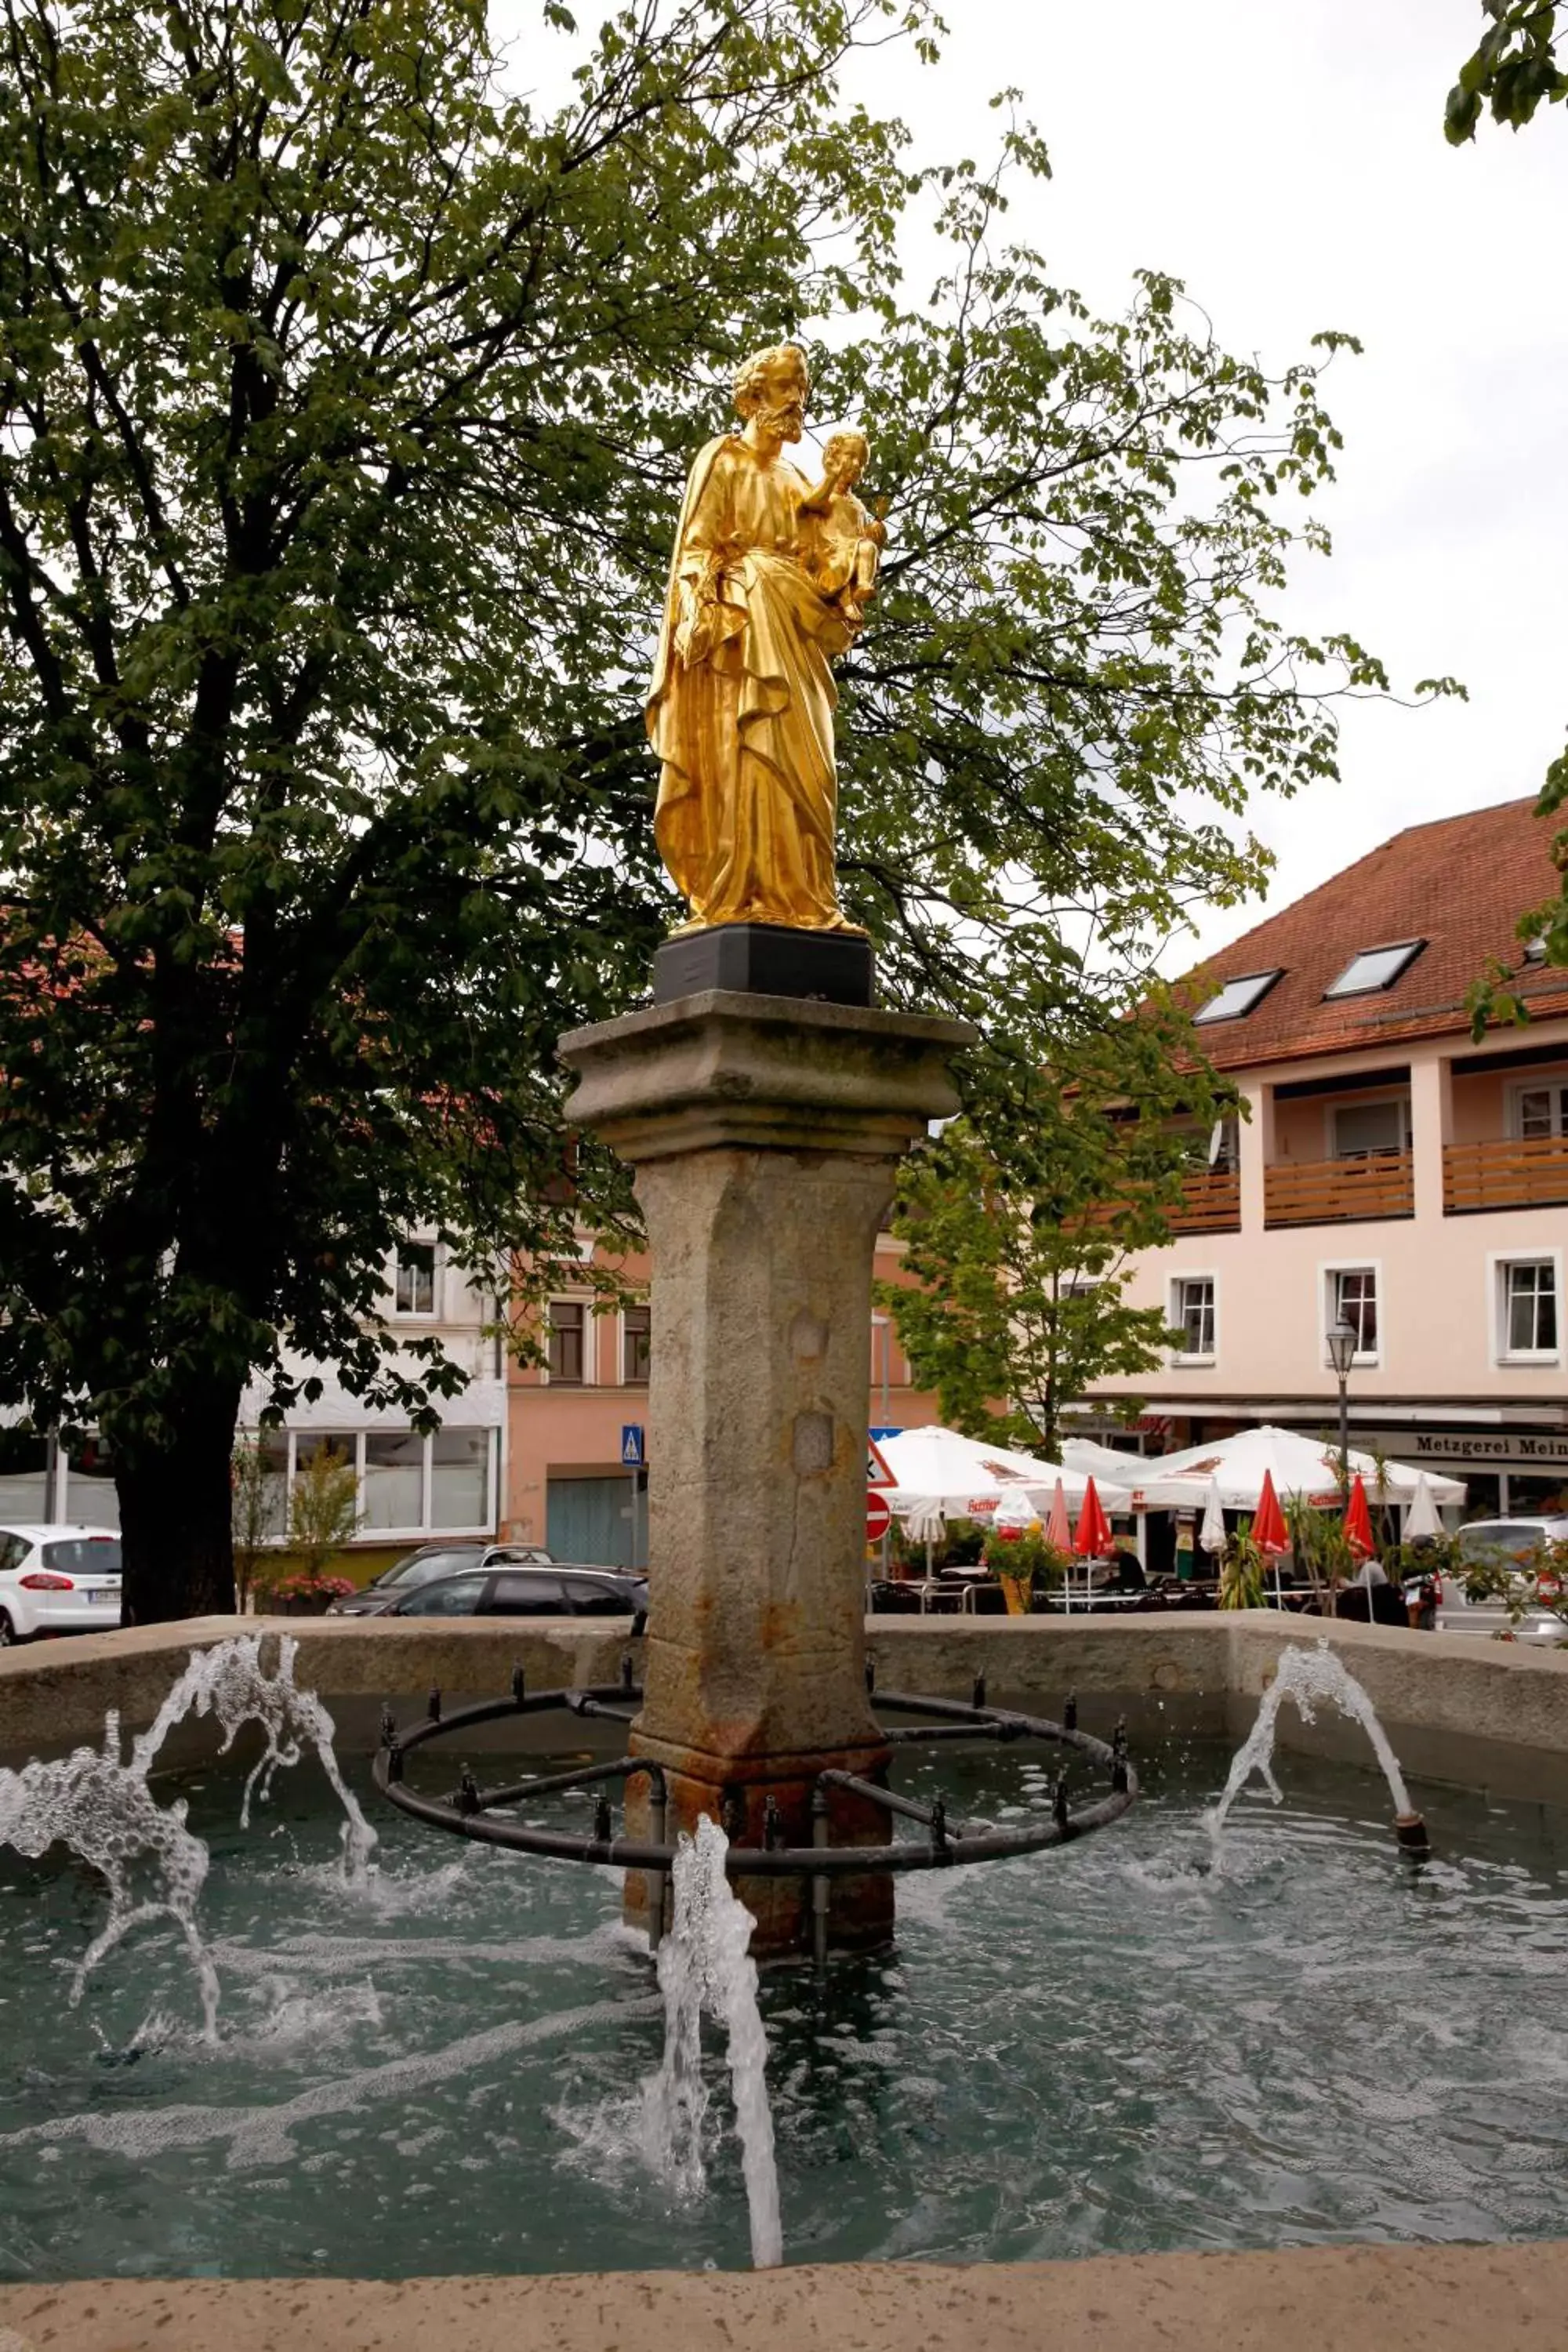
column 1358, row 1521
column 1093, row 1538
column 1269, row 1521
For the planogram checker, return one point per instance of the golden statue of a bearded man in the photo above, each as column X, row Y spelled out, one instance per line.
column 740, row 708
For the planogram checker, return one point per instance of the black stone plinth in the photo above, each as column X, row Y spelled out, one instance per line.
column 765, row 960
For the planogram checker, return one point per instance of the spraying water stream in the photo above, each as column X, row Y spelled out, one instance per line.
column 105, row 1812
column 1307, row 1676
column 705, row 1962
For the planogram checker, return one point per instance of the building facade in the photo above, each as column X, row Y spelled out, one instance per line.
column 411, row 1487
column 1391, row 1172
column 569, row 1483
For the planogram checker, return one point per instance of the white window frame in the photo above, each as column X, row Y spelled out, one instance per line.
column 1175, row 1317
column 1364, row 1358
column 1516, row 1094
column 1497, row 1263
column 431, row 1313
column 422, row 1526
column 1399, row 1095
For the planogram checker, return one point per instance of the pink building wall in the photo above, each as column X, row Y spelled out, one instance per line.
column 562, row 1433
column 1438, row 1339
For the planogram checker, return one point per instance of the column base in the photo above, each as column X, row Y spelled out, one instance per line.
column 733, row 1791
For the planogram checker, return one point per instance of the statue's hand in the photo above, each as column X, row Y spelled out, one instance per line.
column 694, row 630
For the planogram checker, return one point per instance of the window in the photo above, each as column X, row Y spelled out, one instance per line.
column 459, row 1477
column 1192, row 1313
column 1360, row 1130
column 1375, row 968
column 392, row 1493
column 528, row 1596
column 567, row 1318
column 1528, row 1308
column 1237, row 997
column 458, row 1596
column 87, row 1556
column 637, row 1332
column 588, row 1598
column 413, row 1573
column 1352, row 1297
column 413, row 1279
column 1541, row 1111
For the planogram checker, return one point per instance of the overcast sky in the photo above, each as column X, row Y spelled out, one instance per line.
column 1289, row 164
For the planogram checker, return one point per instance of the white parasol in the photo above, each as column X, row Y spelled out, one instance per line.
column 925, row 1522
column 971, row 1480
column 1297, row 1465
column 1422, row 1517
column 1211, row 1535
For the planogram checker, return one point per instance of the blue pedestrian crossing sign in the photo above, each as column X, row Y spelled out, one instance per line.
column 633, row 1452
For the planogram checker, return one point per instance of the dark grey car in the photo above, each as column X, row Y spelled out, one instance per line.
column 565, row 1590
column 427, row 1564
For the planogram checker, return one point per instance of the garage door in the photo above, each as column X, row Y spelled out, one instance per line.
column 591, row 1520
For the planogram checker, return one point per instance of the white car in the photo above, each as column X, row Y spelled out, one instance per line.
column 59, row 1580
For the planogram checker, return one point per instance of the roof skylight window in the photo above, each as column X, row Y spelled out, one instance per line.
column 1238, row 996
column 1375, row 968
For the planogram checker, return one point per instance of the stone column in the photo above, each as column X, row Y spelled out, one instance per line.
column 765, row 1132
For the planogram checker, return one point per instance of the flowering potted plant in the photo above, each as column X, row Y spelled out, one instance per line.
column 304, row 1595
column 1017, row 1557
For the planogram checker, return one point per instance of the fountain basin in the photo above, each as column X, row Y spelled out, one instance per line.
column 1321, row 1934
column 1203, row 1675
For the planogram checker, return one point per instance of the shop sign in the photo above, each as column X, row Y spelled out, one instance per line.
column 1478, row 1447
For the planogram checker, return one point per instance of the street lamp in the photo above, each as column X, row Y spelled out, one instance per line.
column 1341, row 1355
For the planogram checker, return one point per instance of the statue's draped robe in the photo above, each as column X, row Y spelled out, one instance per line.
column 747, row 792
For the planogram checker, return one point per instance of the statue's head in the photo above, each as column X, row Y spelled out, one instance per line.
column 772, row 386
column 844, row 456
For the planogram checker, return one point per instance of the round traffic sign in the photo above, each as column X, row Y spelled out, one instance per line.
column 878, row 1517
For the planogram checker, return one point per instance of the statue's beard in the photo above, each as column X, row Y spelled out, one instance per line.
column 787, row 423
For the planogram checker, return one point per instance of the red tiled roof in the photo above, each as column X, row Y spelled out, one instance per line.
column 1460, row 884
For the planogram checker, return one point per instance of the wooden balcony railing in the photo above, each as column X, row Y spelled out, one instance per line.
column 1335, row 1191
column 1508, row 1174
column 1211, row 1204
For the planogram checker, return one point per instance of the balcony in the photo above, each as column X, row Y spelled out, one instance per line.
column 1339, row 1191
column 1211, row 1204
column 1511, row 1173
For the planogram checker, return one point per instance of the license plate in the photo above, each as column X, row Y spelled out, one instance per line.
column 103, row 1593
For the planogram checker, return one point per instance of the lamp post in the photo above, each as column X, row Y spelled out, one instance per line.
column 1341, row 1355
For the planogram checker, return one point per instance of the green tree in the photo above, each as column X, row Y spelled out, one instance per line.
column 323, row 1510
column 1018, row 1237
column 345, row 399
column 1511, row 71
column 256, row 1509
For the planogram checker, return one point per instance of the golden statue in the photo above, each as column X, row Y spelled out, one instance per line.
column 769, row 582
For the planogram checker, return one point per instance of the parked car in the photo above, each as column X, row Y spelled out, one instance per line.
column 58, row 1580
column 564, row 1590
column 1498, row 1541
column 430, row 1562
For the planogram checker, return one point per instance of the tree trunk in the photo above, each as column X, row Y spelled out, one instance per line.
column 176, row 1515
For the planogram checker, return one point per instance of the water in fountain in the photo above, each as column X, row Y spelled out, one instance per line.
column 705, row 1962
column 1307, row 1676
column 104, row 1811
